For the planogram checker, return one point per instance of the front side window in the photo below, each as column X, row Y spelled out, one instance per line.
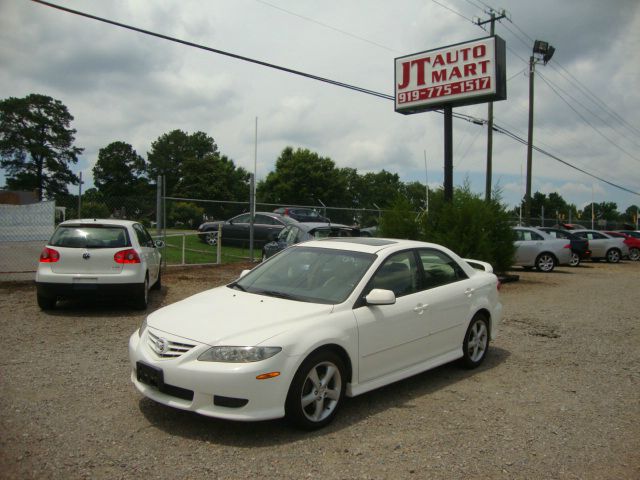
column 399, row 273
column 144, row 238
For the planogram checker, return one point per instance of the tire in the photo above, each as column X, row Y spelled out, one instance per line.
column 613, row 255
column 158, row 284
column 141, row 299
column 211, row 238
column 634, row 254
column 317, row 391
column 476, row 342
column 545, row 262
column 575, row 260
column 46, row 303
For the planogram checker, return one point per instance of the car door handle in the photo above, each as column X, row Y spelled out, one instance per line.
column 469, row 291
column 420, row 308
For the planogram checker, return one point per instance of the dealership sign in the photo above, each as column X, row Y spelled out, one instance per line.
column 462, row 74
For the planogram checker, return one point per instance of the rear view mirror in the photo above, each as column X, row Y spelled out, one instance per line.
column 159, row 243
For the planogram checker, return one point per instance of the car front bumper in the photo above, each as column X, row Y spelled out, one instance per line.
column 215, row 389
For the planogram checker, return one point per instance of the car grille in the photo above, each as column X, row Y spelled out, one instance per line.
column 165, row 348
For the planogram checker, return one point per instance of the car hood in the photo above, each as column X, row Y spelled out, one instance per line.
column 223, row 316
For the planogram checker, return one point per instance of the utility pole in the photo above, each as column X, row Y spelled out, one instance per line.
column 487, row 191
column 80, row 196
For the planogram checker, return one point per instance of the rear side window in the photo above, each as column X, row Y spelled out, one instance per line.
column 90, row 236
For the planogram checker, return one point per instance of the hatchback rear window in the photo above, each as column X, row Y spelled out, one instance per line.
column 93, row 236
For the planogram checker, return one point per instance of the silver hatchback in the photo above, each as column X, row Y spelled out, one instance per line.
column 535, row 248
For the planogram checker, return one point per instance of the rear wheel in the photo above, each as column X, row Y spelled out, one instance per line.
column 575, row 259
column 158, row 284
column 545, row 262
column 211, row 238
column 634, row 254
column 613, row 255
column 46, row 303
column 476, row 342
column 141, row 299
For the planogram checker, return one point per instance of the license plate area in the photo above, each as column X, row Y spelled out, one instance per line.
column 149, row 375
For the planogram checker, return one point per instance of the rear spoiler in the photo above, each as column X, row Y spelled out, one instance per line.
column 479, row 265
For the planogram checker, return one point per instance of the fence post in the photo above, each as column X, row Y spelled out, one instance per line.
column 184, row 240
column 219, row 246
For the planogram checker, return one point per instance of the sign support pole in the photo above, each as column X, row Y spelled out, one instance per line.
column 448, row 153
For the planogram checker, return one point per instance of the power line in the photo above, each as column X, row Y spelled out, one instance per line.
column 467, row 118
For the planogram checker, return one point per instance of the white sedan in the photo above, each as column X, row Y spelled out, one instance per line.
column 318, row 321
column 98, row 257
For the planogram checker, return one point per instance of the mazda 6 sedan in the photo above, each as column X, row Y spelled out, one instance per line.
column 319, row 321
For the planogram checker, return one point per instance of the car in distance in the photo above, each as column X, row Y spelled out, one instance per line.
column 301, row 214
column 535, row 248
column 101, row 257
column 579, row 246
column 604, row 246
column 632, row 243
column 319, row 321
column 236, row 231
column 302, row 232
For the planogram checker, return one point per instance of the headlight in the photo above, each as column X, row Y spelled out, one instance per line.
column 238, row 354
column 142, row 328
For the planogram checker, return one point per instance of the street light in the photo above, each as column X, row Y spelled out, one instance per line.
column 544, row 52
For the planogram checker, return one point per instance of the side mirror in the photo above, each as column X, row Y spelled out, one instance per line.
column 159, row 244
column 243, row 273
column 378, row 296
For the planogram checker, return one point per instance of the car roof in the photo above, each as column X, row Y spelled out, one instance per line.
column 367, row 244
column 97, row 221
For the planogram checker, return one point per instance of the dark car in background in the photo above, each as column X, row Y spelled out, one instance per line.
column 579, row 246
column 301, row 214
column 301, row 232
column 236, row 231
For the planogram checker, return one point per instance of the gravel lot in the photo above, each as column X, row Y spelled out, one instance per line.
column 558, row 397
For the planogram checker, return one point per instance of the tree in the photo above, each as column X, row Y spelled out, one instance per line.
column 119, row 171
column 169, row 152
column 302, row 177
column 36, row 144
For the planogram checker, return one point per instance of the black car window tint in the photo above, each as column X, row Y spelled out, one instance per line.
column 244, row 218
column 399, row 273
column 439, row 269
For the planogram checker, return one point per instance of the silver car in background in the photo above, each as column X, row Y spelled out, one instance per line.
column 535, row 248
column 604, row 246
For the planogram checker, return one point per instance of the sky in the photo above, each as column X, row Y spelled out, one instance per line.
column 122, row 85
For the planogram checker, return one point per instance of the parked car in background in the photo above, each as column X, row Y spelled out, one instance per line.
column 303, row 232
column 604, row 246
column 535, row 248
column 632, row 243
column 369, row 231
column 579, row 246
column 319, row 321
column 236, row 231
column 101, row 257
column 302, row 214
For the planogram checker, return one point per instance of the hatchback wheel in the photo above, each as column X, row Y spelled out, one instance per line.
column 476, row 342
column 575, row 259
column 634, row 254
column 613, row 255
column 316, row 391
column 46, row 303
column 545, row 262
column 141, row 299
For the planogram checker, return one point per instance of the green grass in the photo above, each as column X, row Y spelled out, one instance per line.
column 196, row 251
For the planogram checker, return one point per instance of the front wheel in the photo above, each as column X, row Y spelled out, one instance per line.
column 545, row 262
column 211, row 239
column 634, row 254
column 476, row 342
column 613, row 255
column 316, row 391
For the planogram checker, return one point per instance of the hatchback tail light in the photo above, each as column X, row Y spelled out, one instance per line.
column 568, row 245
column 49, row 255
column 127, row 256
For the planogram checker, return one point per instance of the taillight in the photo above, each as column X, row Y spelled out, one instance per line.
column 568, row 245
column 49, row 255
column 127, row 256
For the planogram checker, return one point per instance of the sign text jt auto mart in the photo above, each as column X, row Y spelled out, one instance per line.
column 462, row 74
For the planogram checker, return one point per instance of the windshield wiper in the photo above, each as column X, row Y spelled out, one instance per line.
column 273, row 293
column 237, row 287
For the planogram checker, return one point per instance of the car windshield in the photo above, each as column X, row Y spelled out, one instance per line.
column 305, row 274
column 93, row 236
